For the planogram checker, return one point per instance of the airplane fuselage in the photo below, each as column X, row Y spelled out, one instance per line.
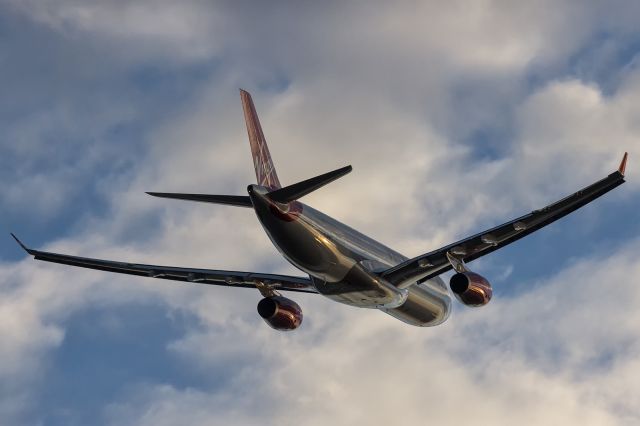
column 342, row 263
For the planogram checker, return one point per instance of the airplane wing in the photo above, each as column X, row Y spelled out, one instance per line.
column 435, row 263
column 202, row 276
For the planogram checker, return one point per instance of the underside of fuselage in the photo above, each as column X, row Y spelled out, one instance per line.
column 342, row 262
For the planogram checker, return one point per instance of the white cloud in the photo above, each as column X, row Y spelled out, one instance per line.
column 563, row 352
column 370, row 86
column 573, row 123
column 181, row 30
column 169, row 407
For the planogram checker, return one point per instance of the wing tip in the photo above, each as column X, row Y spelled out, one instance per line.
column 24, row 247
column 161, row 194
column 623, row 164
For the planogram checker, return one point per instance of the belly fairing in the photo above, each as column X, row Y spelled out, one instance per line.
column 362, row 288
column 427, row 304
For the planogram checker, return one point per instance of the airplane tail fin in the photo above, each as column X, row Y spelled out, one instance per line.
column 265, row 171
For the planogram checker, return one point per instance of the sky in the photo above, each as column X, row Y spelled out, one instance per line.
column 456, row 116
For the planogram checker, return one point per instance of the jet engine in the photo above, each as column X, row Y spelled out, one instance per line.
column 470, row 288
column 280, row 313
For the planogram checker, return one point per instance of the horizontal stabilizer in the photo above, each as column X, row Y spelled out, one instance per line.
column 230, row 200
column 300, row 189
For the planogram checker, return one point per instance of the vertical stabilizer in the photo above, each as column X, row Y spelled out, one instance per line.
column 265, row 172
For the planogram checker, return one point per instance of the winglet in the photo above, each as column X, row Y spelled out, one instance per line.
column 623, row 164
column 28, row 250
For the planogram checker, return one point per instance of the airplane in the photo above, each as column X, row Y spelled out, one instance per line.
column 340, row 263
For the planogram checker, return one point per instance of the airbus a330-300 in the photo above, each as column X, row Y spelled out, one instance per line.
column 339, row 262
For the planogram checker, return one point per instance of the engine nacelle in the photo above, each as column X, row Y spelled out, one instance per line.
column 280, row 313
column 470, row 288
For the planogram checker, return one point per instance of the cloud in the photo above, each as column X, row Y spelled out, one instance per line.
column 556, row 353
column 150, row 27
column 399, row 92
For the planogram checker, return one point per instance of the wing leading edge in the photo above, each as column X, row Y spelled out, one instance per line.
column 435, row 263
column 201, row 276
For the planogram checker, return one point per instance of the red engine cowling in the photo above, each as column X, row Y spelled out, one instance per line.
column 470, row 288
column 280, row 313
